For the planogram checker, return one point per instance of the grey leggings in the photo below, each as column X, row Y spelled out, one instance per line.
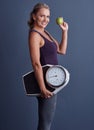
column 46, row 110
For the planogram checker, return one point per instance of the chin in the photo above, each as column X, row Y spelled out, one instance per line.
column 44, row 26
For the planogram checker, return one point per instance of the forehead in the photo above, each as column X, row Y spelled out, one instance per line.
column 44, row 11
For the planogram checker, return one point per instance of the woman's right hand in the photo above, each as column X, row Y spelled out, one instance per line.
column 45, row 93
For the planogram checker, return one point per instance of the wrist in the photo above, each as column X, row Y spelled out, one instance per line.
column 65, row 31
column 42, row 89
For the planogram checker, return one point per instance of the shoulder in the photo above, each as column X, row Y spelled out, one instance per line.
column 35, row 39
column 34, row 35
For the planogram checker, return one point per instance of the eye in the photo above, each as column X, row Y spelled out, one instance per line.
column 48, row 17
column 41, row 16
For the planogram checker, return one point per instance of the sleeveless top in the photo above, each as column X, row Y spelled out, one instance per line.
column 48, row 52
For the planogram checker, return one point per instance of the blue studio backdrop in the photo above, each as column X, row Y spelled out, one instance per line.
column 75, row 105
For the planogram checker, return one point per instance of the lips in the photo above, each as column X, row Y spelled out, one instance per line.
column 44, row 24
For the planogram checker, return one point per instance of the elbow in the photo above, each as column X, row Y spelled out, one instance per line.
column 62, row 52
column 36, row 66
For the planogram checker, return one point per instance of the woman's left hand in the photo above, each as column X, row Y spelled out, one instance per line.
column 64, row 26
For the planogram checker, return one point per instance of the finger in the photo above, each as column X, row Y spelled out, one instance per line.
column 50, row 93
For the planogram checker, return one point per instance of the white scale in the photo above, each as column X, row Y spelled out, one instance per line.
column 56, row 77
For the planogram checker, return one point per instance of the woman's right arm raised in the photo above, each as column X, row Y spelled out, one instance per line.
column 34, row 48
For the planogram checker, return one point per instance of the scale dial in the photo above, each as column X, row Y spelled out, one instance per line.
column 55, row 76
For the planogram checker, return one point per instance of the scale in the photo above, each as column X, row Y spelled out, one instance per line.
column 56, row 77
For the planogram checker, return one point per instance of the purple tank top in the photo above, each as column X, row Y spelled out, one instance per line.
column 48, row 52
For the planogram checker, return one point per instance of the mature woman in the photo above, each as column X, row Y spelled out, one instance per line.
column 43, row 50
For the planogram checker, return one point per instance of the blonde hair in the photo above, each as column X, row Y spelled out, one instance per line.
column 36, row 8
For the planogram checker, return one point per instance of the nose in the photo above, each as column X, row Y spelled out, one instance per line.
column 46, row 19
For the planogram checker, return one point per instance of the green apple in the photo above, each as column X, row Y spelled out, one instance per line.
column 59, row 20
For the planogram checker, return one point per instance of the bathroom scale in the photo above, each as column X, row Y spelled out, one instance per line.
column 56, row 77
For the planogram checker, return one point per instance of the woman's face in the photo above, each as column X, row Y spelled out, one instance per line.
column 42, row 18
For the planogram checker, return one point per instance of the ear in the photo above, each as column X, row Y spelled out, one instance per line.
column 34, row 17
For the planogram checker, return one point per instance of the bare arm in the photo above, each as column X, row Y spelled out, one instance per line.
column 62, row 46
column 34, row 48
